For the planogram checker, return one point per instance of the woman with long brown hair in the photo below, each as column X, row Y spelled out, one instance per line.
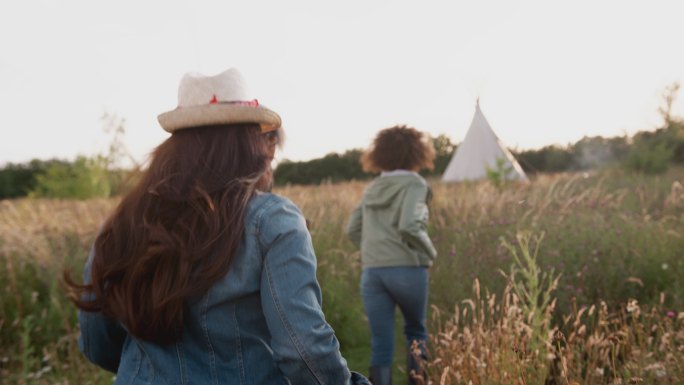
column 200, row 275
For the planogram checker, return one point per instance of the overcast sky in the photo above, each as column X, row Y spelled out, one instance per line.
column 337, row 72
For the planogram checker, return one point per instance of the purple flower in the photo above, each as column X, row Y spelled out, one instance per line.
column 671, row 314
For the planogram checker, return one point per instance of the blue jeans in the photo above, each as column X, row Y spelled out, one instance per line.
column 384, row 288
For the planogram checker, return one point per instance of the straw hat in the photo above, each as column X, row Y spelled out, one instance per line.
column 221, row 99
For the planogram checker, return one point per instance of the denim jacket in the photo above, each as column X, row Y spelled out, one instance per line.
column 261, row 324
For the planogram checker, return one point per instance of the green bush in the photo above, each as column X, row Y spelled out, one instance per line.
column 82, row 179
column 650, row 158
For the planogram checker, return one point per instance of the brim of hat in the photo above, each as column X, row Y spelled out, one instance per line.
column 214, row 114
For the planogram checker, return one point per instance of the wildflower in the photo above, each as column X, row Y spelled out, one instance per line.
column 632, row 306
column 665, row 266
column 671, row 314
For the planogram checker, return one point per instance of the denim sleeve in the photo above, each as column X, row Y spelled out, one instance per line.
column 355, row 225
column 304, row 344
column 413, row 219
column 101, row 338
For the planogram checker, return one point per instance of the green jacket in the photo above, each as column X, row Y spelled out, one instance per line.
column 389, row 225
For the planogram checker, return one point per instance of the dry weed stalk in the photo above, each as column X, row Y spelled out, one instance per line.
column 513, row 341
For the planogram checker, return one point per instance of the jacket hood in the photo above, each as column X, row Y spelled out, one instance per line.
column 384, row 190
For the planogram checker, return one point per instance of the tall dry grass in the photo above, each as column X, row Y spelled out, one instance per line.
column 613, row 245
column 38, row 328
column 511, row 339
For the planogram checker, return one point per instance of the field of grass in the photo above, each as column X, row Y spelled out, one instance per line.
column 573, row 278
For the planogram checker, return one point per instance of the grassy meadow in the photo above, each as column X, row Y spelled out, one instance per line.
column 570, row 279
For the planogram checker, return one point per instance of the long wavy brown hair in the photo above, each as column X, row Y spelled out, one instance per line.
column 176, row 232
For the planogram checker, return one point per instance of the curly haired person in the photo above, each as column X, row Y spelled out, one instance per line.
column 389, row 225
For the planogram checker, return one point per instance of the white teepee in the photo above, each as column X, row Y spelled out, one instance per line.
column 481, row 150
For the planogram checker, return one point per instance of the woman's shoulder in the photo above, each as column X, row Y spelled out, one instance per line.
column 406, row 180
column 402, row 176
column 268, row 204
column 416, row 178
column 273, row 214
column 266, row 199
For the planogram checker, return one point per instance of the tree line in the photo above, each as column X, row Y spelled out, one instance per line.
column 650, row 152
column 336, row 167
